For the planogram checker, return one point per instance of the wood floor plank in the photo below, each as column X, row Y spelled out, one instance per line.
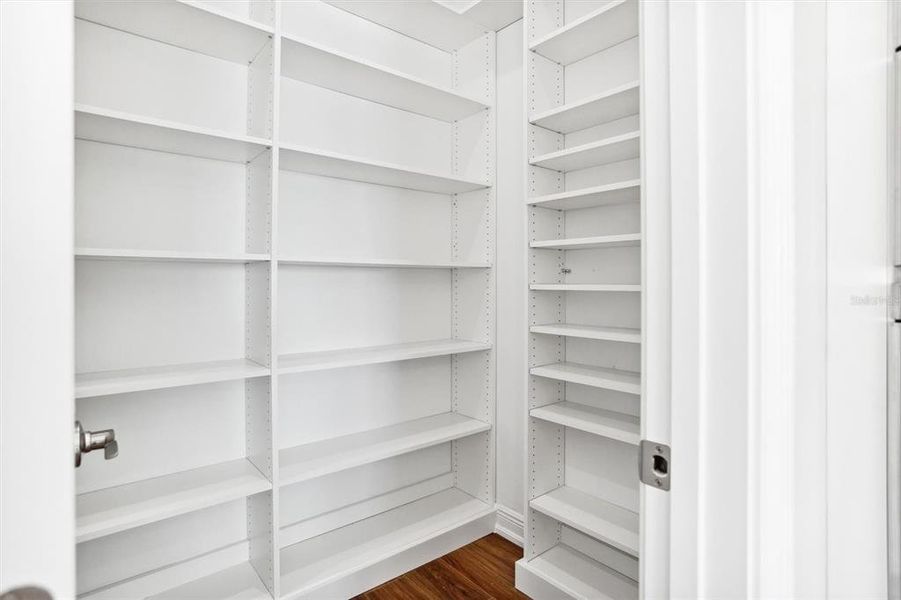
column 482, row 570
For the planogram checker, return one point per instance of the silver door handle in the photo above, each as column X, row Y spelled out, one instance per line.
column 86, row 441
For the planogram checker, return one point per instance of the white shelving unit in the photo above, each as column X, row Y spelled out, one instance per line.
column 284, row 289
column 585, row 220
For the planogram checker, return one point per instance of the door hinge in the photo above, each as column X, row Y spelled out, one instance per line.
column 656, row 466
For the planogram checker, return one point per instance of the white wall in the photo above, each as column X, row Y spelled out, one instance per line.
column 511, row 272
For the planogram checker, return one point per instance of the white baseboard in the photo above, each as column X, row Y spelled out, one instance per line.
column 509, row 524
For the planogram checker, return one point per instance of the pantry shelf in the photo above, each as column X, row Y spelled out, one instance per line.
column 316, row 459
column 354, row 357
column 314, row 64
column 102, row 383
column 124, row 129
column 602, row 195
column 342, row 166
column 621, row 101
column 394, row 263
column 593, row 154
column 572, row 574
column 200, row 28
column 607, row 26
column 239, row 582
column 116, row 509
column 584, row 287
column 430, row 22
column 590, row 332
column 167, row 255
column 591, row 243
column 602, row 520
column 605, row 423
column 599, row 377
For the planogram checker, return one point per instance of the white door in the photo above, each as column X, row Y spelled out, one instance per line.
column 36, row 407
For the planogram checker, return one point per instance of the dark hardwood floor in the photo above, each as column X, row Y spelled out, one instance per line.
column 483, row 570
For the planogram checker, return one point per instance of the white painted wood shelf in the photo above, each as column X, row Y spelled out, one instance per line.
column 493, row 14
column 317, row 65
column 585, row 287
column 602, row 195
column 621, row 101
column 591, row 243
column 116, row 509
column 599, row 377
column 589, row 332
column 607, row 26
column 311, row 565
column 430, row 22
column 239, row 582
column 576, row 575
column 342, row 166
column 393, row 263
column 167, row 255
column 606, row 423
column 602, row 520
column 103, row 383
column 187, row 24
column 124, row 129
column 303, row 362
column 592, row 154
column 316, row 459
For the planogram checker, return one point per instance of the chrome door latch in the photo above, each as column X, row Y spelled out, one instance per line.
column 86, row 441
column 655, row 465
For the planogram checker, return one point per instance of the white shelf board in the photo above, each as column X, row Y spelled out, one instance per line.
column 124, row 129
column 340, row 553
column 591, row 243
column 622, row 192
column 585, row 287
column 607, row 26
column 166, row 255
column 190, row 25
column 239, row 582
column 424, row 20
column 103, row 383
column 316, row 459
column 311, row 63
column 493, row 14
column 590, row 332
column 599, row 377
column 394, row 263
column 116, row 509
column 605, row 423
column 372, row 355
column 577, row 576
column 602, row 520
column 613, row 104
column 592, row 154
column 342, row 166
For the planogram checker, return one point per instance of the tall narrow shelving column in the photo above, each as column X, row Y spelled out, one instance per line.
column 386, row 293
column 585, row 275
column 176, row 170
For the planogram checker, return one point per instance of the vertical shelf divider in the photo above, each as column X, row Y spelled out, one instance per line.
column 261, row 395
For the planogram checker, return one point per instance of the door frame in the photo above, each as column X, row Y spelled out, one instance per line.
column 37, row 478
